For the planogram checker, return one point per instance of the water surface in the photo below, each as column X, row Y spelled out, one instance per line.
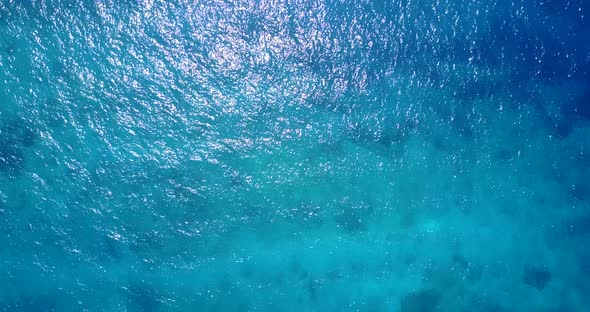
column 407, row 156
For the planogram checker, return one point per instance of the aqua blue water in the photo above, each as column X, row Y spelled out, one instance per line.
column 402, row 155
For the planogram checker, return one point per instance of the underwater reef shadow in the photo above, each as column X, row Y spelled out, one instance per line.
column 15, row 137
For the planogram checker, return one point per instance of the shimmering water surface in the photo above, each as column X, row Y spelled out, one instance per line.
column 402, row 155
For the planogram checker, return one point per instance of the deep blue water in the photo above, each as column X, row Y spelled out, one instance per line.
column 402, row 155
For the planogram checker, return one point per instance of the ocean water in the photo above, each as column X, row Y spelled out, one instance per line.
column 401, row 155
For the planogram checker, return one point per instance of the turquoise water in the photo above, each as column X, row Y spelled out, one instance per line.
column 409, row 156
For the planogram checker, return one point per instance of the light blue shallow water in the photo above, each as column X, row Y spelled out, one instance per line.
column 409, row 156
